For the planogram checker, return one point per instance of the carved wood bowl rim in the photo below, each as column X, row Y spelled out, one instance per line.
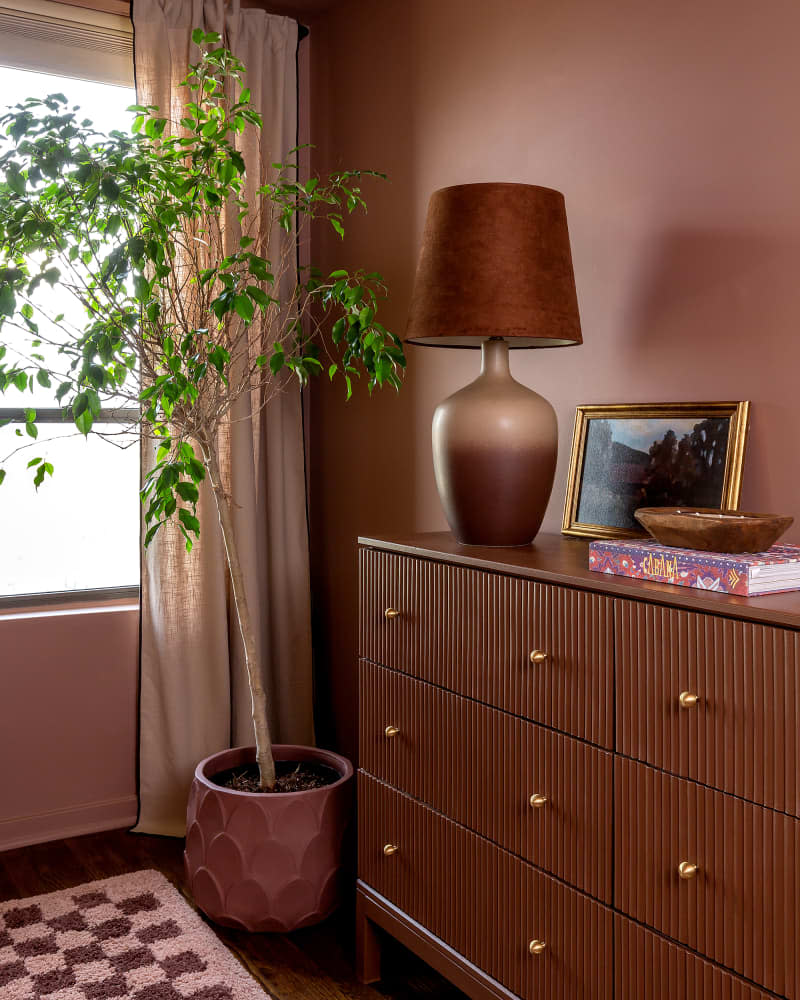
column 712, row 529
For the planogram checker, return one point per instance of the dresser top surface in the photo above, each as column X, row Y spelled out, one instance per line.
column 557, row 559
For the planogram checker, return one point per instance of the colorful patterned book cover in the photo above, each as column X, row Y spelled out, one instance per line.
column 770, row 572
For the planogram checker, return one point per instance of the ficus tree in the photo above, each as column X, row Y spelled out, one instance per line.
column 184, row 311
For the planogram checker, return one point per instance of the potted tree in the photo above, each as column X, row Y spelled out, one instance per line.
column 176, row 321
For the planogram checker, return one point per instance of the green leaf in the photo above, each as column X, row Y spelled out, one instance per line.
column 219, row 357
column 196, row 469
column 188, row 492
column 154, row 127
column 244, row 307
column 259, row 296
column 136, row 247
column 14, row 179
column 337, row 331
column 44, row 468
column 110, row 188
column 8, row 301
column 189, row 521
column 259, row 268
column 84, row 422
column 141, row 288
column 81, row 413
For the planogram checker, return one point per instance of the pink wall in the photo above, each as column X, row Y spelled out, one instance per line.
column 67, row 722
column 670, row 130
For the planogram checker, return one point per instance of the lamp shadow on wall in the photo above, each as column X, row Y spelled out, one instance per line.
column 715, row 295
column 715, row 315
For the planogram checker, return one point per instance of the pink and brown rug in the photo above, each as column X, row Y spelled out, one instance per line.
column 131, row 937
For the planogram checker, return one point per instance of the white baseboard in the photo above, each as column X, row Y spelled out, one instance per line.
column 72, row 821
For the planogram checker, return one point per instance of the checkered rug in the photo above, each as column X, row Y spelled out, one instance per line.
column 132, row 937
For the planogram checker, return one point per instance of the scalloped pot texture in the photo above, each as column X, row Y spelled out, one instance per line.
column 267, row 862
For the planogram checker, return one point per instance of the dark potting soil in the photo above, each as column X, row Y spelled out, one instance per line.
column 291, row 776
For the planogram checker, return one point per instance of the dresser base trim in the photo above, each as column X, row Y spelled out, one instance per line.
column 374, row 910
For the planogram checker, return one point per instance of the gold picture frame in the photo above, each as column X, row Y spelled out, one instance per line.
column 584, row 505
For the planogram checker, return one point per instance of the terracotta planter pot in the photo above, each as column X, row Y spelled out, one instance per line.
column 266, row 862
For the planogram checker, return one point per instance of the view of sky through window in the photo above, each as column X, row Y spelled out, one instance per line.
column 81, row 530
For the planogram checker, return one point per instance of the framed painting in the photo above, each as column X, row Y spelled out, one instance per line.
column 626, row 456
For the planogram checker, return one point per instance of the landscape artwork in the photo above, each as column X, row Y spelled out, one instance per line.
column 624, row 459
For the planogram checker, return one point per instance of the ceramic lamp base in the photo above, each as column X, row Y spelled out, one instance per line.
column 495, row 444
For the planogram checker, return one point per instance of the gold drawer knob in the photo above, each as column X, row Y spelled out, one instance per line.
column 538, row 656
column 536, row 947
column 537, row 800
column 687, row 870
column 688, row 700
column 391, row 731
column 390, row 849
column 391, row 613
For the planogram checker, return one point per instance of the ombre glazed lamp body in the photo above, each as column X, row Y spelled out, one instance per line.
column 495, row 444
column 495, row 272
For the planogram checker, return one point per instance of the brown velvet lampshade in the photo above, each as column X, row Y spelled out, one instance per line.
column 495, row 261
column 495, row 271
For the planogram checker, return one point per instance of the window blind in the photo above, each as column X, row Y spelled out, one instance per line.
column 50, row 37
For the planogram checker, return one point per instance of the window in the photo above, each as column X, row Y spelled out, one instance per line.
column 80, row 530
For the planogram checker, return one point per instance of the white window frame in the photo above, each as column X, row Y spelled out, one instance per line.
column 43, row 36
column 54, row 415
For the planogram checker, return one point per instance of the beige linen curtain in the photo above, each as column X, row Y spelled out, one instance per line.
column 194, row 698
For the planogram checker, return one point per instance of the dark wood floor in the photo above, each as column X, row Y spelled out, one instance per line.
column 311, row 964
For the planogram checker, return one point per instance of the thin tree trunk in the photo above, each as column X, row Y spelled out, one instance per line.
column 266, row 762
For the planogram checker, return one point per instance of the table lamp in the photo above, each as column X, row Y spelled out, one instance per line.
column 495, row 272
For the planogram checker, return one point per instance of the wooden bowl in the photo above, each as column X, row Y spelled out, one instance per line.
column 709, row 530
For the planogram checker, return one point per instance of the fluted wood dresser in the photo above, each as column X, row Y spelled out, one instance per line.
column 574, row 785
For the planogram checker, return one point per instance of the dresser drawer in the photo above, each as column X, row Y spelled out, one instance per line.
column 743, row 733
column 482, row 901
column 648, row 966
column 480, row 766
column 742, row 907
column 473, row 632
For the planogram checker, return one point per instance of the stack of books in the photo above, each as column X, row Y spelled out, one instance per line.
column 770, row 572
